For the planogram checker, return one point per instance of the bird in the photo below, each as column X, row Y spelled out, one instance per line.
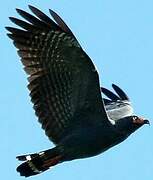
column 66, row 94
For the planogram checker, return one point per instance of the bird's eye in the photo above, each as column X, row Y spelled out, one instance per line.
column 135, row 118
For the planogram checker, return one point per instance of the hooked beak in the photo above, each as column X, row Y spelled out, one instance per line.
column 141, row 121
column 146, row 122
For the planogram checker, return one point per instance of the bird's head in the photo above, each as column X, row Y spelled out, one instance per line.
column 130, row 124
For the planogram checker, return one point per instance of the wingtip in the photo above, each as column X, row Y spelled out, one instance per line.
column 33, row 8
column 19, row 11
column 114, row 85
column 30, row 6
column 10, row 29
column 120, row 92
column 10, row 18
column 52, row 12
column 7, row 28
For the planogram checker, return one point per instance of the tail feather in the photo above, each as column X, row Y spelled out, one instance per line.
column 27, row 157
column 37, row 163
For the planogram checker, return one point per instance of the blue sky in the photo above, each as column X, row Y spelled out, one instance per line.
column 118, row 36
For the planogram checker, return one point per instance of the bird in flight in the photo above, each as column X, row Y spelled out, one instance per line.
column 66, row 94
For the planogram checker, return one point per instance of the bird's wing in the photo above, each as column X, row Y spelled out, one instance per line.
column 63, row 81
column 118, row 105
column 119, row 96
column 122, row 95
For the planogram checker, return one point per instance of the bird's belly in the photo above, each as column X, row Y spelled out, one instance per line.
column 86, row 146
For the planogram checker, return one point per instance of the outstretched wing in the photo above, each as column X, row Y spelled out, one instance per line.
column 121, row 95
column 117, row 105
column 63, row 81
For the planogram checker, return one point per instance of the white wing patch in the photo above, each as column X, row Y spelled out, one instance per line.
column 118, row 110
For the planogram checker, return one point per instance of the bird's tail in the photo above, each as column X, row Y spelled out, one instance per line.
column 38, row 162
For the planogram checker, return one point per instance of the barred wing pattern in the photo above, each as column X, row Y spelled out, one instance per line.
column 63, row 82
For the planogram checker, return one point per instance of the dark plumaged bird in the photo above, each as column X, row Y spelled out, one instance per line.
column 65, row 90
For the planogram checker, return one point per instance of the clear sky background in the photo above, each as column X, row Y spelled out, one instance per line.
column 118, row 36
